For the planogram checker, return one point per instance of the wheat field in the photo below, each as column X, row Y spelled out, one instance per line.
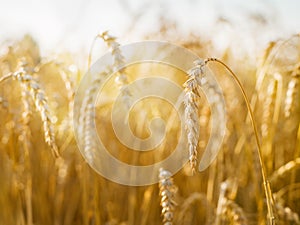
column 45, row 180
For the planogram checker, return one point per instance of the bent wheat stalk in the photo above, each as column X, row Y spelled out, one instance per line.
column 267, row 188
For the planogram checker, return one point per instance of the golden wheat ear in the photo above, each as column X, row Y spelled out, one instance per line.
column 191, row 99
column 118, row 65
column 292, row 92
column 167, row 191
column 185, row 215
column 31, row 86
column 227, row 209
column 87, row 117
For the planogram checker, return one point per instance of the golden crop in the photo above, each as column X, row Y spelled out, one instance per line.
column 44, row 179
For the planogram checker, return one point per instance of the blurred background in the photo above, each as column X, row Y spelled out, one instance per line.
column 72, row 24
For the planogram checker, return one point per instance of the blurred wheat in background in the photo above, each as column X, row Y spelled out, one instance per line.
column 45, row 180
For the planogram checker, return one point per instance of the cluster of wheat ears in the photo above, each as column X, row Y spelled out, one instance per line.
column 255, row 178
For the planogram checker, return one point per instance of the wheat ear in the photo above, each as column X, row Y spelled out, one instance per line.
column 268, row 108
column 234, row 212
column 30, row 85
column 283, row 170
column 292, row 91
column 119, row 59
column 185, row 217
column 229, row 209
column 87, row 117
column 118, row 64
column 167, row 191
column 287, row 215
column 191, row 99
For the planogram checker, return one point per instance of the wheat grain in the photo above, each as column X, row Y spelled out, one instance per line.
column 167, row 190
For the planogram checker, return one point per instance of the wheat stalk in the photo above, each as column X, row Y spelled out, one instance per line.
column 167, row 190
column 266, row 183
column 25, row 138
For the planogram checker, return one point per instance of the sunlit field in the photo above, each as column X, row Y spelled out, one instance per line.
column 254, row 179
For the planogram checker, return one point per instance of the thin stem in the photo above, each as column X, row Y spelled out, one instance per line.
column 91, row 50
column 267, row 188
column 6, row 77
column 98, row 36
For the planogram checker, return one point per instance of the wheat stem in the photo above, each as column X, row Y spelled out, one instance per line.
column 6, row 77
column 267, row 188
